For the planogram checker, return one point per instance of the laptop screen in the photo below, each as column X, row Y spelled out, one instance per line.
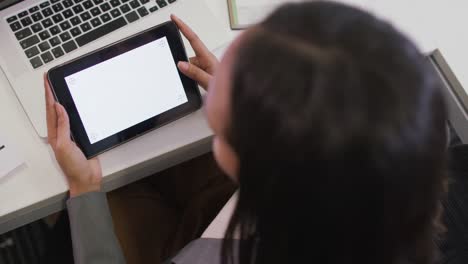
column 6, row 3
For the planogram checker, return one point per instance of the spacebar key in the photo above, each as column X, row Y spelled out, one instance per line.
column 100, row 31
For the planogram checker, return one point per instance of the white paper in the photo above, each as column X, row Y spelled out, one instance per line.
column 250, row 12
column 10, row 158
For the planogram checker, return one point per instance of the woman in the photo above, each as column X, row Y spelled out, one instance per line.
column 333, row 125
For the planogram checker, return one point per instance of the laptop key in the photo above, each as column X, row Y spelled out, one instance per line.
column 36, row 62
column 125, row 8
column 144, row 1
column 78, row 9
column 106, row 17
column 36, row 27
column 75, row 31
column 88, row 4
column 78, row 1
column 67, row 13
column 85, row 16
column 69, row 46
column 47, row 23
column 115, row 13
column 33, row 9
column 171, row 1
column 44, row 46
column 65, row 36
column 44, row 35
column 31, row 52
column 47, row 12
column 54, row 1
column 75, row 20
column 153, row 9
column 54, row 30
column 15, row 26
column 26, row 43
column 96, row 22
column 26, row 21
column 95, row 11
column 132, row 17
column 54, row 41
column 37, row 16
column 161, row 3
column 105, row 7
column 45, row 4
column 65, row 25
column 142, row 11
column 115, row 3
column 57, row 18
column 98, row 2
column 58, row 52
column 11, row 19
column 67, row 3
column 85, row 27
column 26, row 32
column 101, row 31
column 134, row 4
column 47, row 57
column 57, row 7
column 23, row 14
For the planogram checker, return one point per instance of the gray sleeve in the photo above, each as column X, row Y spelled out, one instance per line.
column 92, row 230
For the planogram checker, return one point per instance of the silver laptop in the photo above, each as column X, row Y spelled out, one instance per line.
column 39, row 34
column 456, row 95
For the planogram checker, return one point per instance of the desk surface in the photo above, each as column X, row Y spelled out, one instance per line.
column 38, row 188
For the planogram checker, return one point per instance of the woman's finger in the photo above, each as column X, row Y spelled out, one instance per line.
column 195, row 73
column 194, row 60
column 63, row 125
column 50, row 100
column 197, row 45
column 51, row 114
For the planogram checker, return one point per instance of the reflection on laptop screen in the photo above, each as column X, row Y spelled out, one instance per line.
column 6, row 3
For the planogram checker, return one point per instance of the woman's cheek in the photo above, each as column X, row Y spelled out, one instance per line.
column 225, row 157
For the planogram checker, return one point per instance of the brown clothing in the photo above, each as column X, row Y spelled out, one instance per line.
column 156, row 217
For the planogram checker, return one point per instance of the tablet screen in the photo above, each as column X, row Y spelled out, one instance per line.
column 135, row 86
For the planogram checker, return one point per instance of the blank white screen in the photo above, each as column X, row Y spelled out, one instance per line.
column 126, row 90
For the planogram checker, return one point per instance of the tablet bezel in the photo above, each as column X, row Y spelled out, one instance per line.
column 56, row 77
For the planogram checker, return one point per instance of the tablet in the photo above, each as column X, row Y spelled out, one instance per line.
column 126, row 89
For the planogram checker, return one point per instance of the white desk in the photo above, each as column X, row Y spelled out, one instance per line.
column 38, row 188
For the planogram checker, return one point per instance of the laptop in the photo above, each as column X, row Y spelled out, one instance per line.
column 456, row 93
column 37, row 35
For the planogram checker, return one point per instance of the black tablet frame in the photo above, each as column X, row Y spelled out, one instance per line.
column 56, row 77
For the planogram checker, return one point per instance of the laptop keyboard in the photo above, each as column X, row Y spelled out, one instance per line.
column 55, row 27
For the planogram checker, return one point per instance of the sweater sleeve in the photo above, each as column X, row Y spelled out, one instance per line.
column 92, row 230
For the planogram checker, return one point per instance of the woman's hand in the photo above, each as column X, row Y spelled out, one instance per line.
column 82, row 175
column 203, row 65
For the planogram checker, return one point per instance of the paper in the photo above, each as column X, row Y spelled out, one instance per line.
column 248, row 12
column 9, row 156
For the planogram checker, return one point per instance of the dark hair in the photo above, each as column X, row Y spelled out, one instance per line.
column 339, row 125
